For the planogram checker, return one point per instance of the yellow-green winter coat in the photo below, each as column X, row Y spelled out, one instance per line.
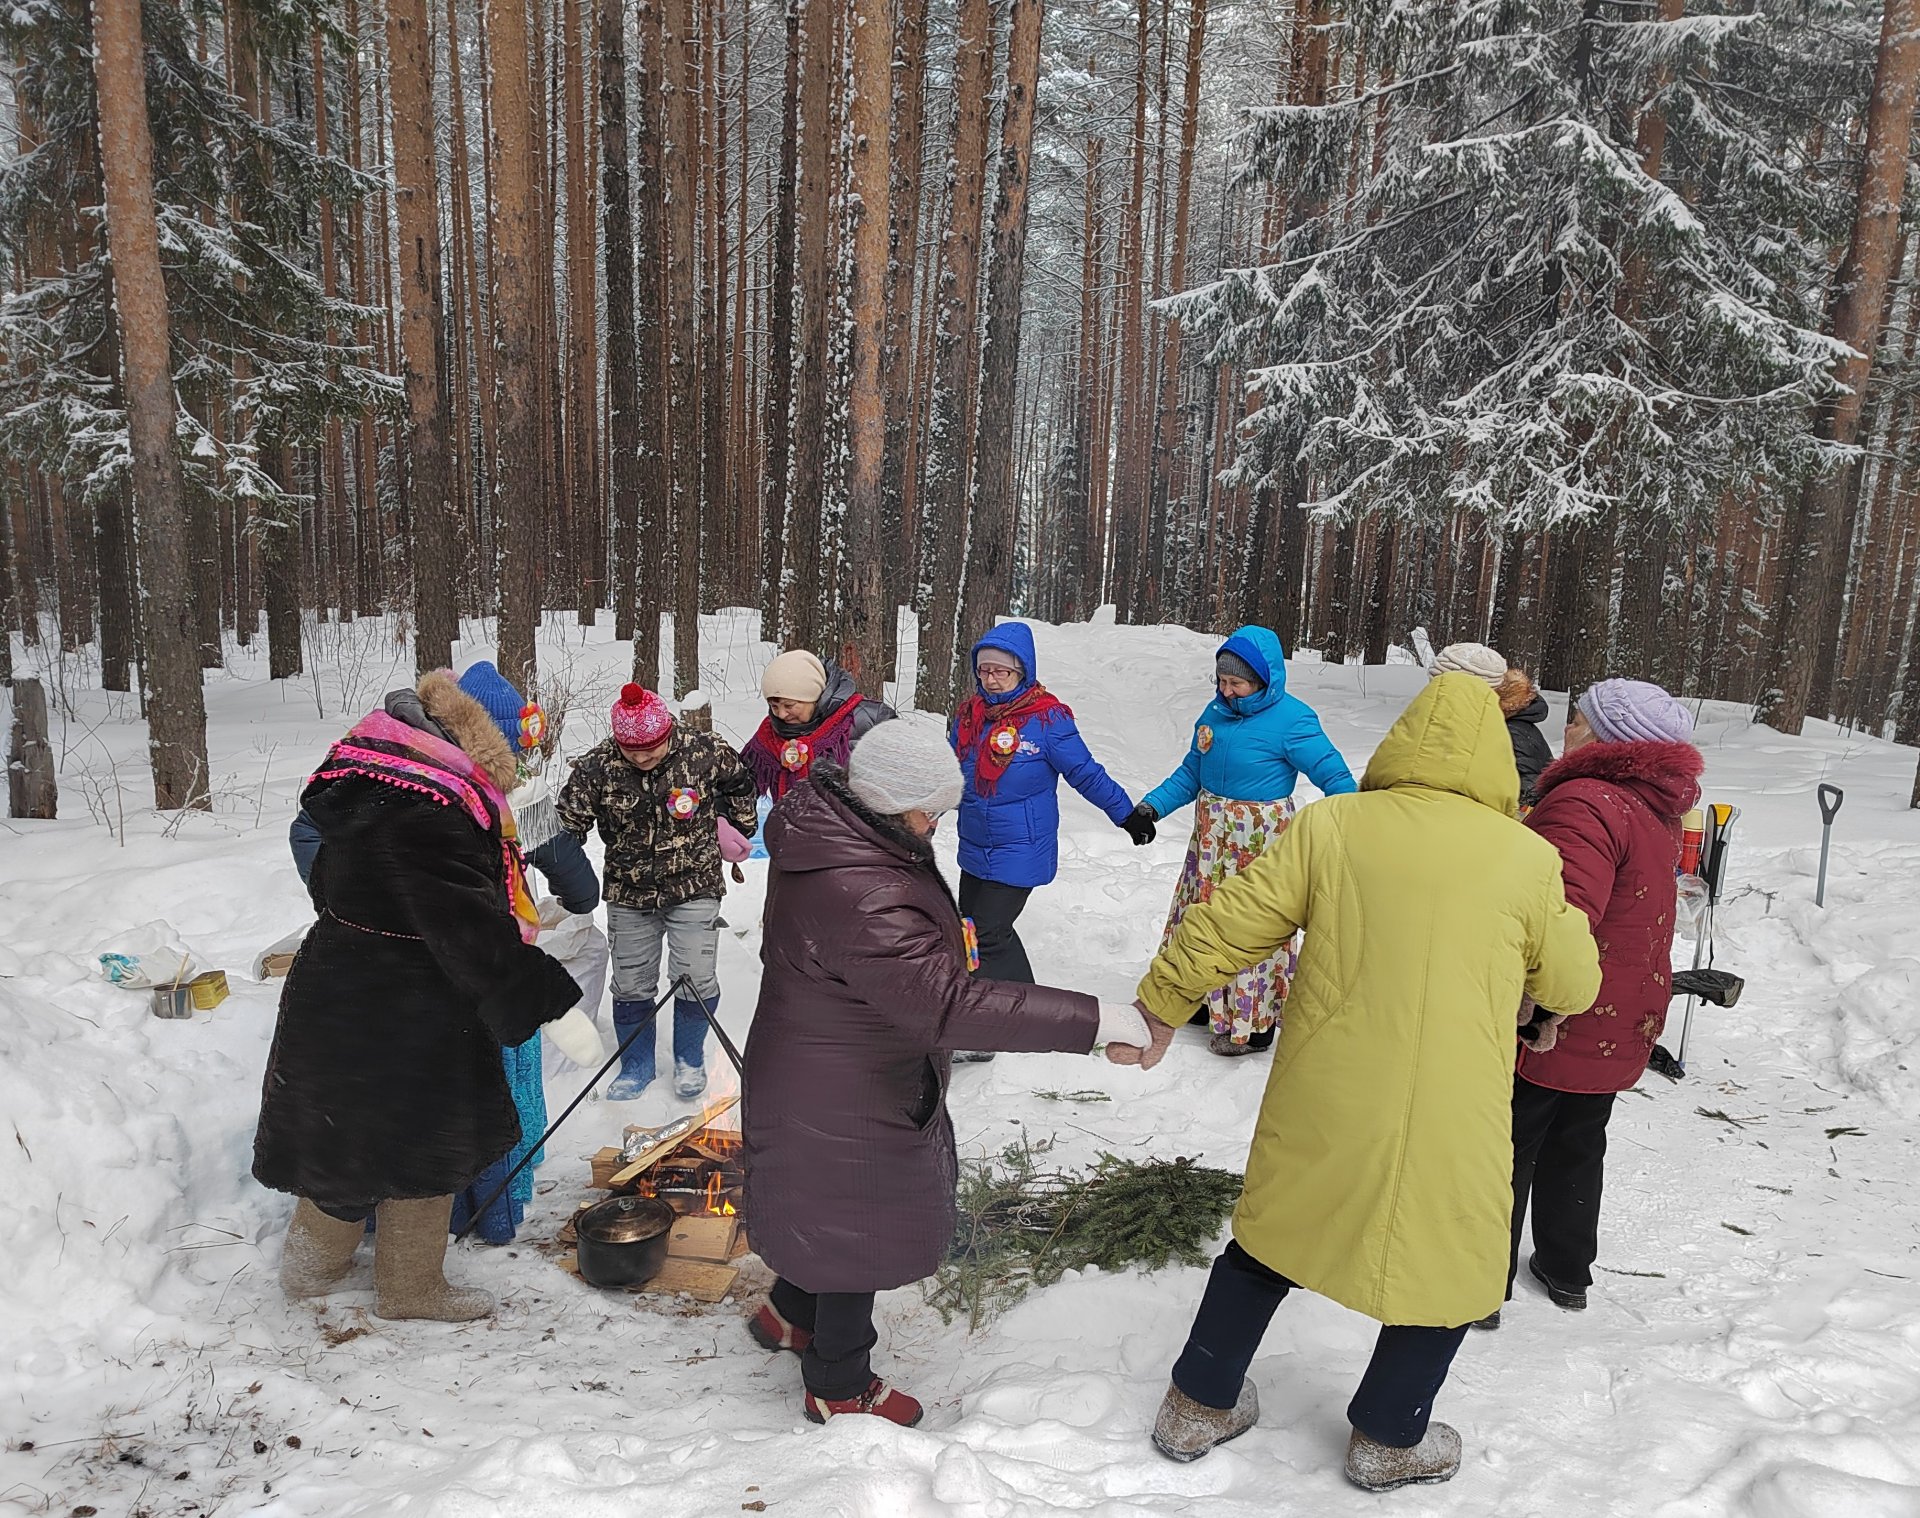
column 1382, row 1163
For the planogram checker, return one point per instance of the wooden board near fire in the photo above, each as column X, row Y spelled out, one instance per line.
column 701, row 1175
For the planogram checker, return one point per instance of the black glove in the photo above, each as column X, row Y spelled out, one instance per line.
column 1139, row 824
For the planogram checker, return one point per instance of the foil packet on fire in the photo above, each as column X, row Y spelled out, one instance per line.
column 636, row 1140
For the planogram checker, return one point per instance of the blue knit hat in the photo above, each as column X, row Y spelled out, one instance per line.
column 503, row 703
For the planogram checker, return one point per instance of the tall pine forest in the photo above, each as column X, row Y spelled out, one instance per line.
column 1585, row 328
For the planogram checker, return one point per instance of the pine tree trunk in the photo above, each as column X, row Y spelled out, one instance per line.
column 743, row 492
column 280, row 540
column 1818, row 517
column 517, row 284
column 801, row 573
column 113, row 544
column 330, row 494
column 623, row 401
column 901, row 552
column 1129, row 484
column 1079, row 556
column 1168, row 427
column 416, row 184
column 867, row 546
column 949, row 433
column 175, row 705
column 777, row 427
column 654, row 566
column 681, row 72
column 472, row 321
column 989, row 567
column 114, row 577
column 717, row 568
column 582, row 378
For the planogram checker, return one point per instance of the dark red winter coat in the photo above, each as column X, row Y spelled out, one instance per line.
column 1613, row 811
column 864, row 989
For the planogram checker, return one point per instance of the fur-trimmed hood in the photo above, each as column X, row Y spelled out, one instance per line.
column 467, row 722
column 1519, row 697
column 1665, row 775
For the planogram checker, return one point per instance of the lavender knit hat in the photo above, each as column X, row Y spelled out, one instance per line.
column 1635, row 711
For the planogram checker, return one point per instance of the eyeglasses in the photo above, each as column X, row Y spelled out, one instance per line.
column 996, row 672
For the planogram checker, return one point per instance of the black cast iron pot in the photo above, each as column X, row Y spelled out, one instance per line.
column 623, row 1240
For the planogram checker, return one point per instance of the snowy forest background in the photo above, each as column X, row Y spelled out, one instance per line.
column 1583, row 327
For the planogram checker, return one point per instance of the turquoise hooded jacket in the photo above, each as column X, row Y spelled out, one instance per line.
column 1255, row 747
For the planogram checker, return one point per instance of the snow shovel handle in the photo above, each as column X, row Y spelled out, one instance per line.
column 1829, row 797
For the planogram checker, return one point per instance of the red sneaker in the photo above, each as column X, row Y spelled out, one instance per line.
column 879, row 1399
column 771, row 1331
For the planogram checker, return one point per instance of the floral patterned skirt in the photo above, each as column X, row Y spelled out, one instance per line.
column 1227, row 837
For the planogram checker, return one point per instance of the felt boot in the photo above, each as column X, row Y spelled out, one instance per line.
column 1186, row 1429
column 690, row 1047
column 1381, row 1467
column 636, row 1065
column 409, row 1265
column 318, row 1251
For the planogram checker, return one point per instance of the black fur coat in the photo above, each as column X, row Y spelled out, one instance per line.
column 385, row 1077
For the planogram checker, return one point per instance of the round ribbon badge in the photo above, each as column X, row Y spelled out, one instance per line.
column 682, row 804
column 533, row 725
column 1203, row 740
column 796, row 754
column 1005, row 741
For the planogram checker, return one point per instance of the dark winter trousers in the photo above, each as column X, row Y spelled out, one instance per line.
column 838, row 1365
column 1395, row 1398
column 1559, row 1153
column 994, row 909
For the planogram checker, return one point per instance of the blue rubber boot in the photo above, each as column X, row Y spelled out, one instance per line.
column 689, row 1047
column 636, row 1065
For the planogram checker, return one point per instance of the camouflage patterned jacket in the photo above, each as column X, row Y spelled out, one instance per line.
column 660, row 828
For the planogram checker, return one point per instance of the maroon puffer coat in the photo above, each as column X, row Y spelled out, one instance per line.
column 1613, row 811
column 864, row 987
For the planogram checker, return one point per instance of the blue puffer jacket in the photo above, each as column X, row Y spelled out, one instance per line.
column 1254, row 748
column 1013, row 836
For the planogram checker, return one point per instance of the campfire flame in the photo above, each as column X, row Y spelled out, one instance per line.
column 701, row 1176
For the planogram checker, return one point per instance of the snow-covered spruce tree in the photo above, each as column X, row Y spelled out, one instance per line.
column 1506, row 314
column 235, row 192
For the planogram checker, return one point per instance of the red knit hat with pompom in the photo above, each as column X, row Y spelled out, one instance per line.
column 640, row 718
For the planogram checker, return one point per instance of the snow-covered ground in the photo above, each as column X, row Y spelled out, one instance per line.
column 1753, row 1345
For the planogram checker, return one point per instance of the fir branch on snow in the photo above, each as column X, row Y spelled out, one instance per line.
column 1022, row 1226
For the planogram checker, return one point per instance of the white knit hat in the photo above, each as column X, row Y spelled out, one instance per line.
column 795, row 675
column 905, row 765
column 1474, row 659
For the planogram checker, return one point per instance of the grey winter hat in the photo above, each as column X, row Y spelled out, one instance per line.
column 905, row 765
column 1230, row 666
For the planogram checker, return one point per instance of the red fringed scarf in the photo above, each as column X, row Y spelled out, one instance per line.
column 992, row 733
column 795, row 756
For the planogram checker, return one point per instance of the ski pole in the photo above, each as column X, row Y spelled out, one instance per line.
column 1720, row 820
column 1829, row 798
